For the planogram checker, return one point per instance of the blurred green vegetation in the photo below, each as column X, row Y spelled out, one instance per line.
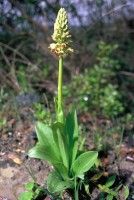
column 95, row 90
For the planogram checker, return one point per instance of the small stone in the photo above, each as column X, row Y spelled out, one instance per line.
column 8, row 172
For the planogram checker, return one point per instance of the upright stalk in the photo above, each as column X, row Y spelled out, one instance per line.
column 76, row 196
column 62, row 46
column 60, row 77
column 60, row 114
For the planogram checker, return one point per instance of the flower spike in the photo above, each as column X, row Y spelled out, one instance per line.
column 61, row 35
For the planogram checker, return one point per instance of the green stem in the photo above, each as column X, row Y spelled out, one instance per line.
column 60, row 114
column 76, row 197
column 60, row 82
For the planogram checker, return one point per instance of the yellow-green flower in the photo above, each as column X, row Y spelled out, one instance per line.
column 61, row 35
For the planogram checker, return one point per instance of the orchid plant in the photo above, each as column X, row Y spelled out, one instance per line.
column 58, row 143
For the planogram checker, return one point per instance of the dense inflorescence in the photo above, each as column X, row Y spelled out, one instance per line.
column 61, row 35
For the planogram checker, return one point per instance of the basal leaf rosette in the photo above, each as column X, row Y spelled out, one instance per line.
column 61, row 35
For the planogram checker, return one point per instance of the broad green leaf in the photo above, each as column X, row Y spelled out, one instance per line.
column 43, row 152
column 84, row 162
column 55, row 183
column 26, row 196
column 45, row 137
column 55, row 126
column 29, row 186
column 59, row 112
column 60, row 140
column 110, row 181
column 62, row 170
column 72, row 133
column 82, row 143
column 110, row 197
column 44, row 133
column 126, row 192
